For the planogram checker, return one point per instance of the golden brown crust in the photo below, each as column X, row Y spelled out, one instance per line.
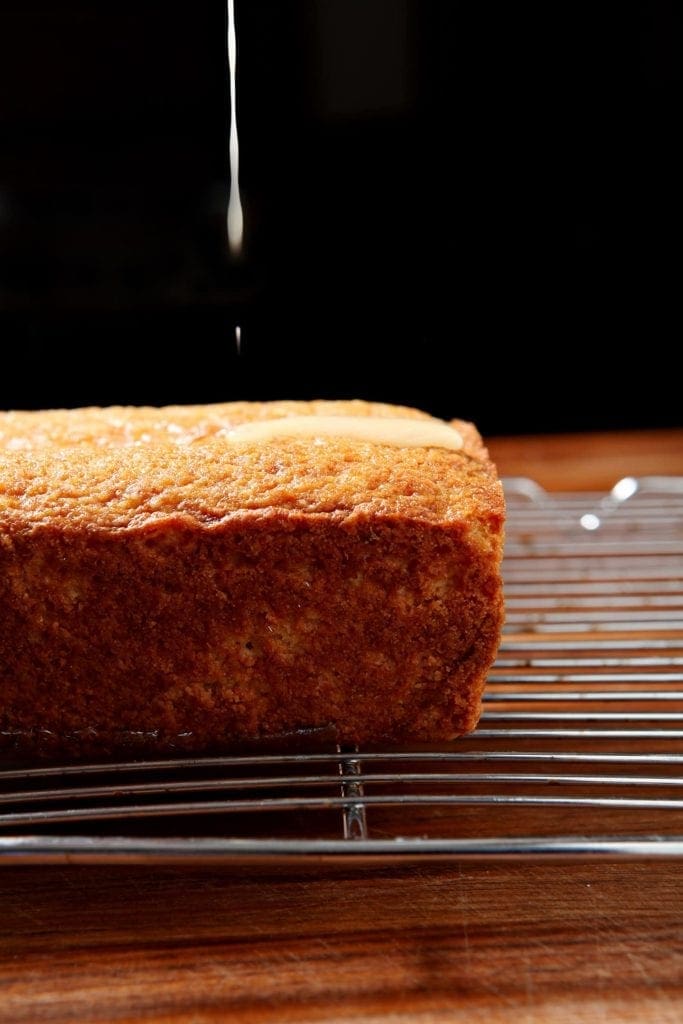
column 155, row 583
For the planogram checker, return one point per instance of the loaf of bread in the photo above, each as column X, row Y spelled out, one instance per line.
column 194, row 578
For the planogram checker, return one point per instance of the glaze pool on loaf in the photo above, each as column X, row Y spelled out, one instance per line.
column 164, row 587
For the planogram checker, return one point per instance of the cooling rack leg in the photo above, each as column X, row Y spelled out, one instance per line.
column 355, row 822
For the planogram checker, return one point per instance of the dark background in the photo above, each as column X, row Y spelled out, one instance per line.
column 469, row 208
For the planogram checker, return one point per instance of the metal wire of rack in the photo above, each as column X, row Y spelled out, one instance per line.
column 579, row 752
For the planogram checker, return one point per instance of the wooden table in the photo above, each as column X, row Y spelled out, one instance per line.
column 581, row 462
column 513, row 942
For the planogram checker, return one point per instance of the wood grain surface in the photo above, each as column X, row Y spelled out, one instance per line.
column 476, row 943
column 589, row 462
column 506, row 942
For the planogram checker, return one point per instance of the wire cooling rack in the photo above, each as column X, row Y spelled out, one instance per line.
column 579, row 752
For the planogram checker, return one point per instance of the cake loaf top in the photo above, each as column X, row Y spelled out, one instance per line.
column 130, row 467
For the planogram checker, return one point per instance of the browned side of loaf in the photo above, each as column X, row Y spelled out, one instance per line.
column 159, row 596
